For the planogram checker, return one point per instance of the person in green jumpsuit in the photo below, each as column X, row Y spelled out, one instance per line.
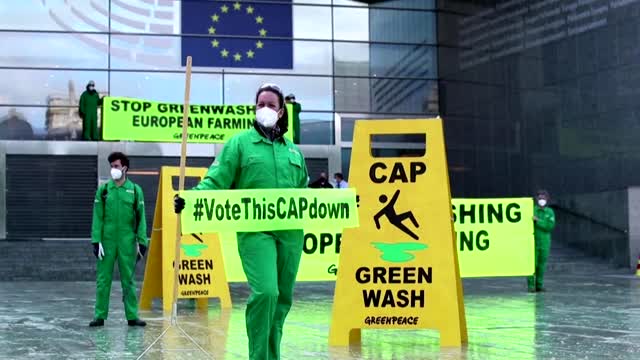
column 262, row 158
column 297, row 109
column 118, row 233
column 544, row 221
column 88, row 111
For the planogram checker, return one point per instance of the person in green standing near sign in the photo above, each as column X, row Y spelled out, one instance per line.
column 297, row 109
column 88, row 110
column 544, row 221
column 118, row 232
column 262, row 158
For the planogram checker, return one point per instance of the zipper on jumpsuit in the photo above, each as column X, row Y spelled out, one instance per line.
column 118, row 215
column 117, row 202
column 275, row 162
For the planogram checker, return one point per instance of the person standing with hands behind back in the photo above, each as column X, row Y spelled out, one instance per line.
column 544, row 221
column 262, row 158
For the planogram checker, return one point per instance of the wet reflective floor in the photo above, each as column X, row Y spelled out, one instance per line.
column 583, row 315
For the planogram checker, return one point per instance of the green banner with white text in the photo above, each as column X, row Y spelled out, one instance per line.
column 129, row 119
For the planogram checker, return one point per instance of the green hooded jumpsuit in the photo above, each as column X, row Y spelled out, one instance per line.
column 88, row 109
column 114, row 224
column 542, row 233
column 269, row 259
column 297, row 109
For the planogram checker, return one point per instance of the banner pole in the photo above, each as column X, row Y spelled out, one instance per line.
column 183, row 160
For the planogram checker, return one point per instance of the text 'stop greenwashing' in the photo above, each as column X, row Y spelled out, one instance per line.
column 268, row 210
column 142, row 120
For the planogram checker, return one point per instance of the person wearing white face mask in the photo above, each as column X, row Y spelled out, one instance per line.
column 262, row 158
column 544, row 221
column 118, row 233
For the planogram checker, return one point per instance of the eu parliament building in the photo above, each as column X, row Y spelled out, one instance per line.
column 533, row 94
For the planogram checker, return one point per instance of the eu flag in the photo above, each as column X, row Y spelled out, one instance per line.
column 262, row 21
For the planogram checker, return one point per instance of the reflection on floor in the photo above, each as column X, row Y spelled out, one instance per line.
column 585, row 316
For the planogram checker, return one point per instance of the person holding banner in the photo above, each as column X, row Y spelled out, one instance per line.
column 262, row 158
column 296, row 109
column 88, row 111
column 545, row 220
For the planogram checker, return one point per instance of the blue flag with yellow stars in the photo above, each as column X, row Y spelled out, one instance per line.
column 238, row 33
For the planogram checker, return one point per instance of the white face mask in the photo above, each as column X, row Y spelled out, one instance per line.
column 116, row 174
column 542, row 202
column 267, row 117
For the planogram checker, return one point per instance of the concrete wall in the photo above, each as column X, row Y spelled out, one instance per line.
column 597, row 224
column 60, row 200
column 52, row 260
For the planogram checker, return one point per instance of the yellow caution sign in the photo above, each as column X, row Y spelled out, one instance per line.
column 201, row 270
column 399, row 269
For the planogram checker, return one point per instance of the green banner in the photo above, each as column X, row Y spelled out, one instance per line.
column 268, row 209
column 494, row 236
column 132, row 119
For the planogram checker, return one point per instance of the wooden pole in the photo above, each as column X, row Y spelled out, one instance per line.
column 183, row 160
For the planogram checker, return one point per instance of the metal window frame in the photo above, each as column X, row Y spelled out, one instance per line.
column 332, row 152
column 101, row 151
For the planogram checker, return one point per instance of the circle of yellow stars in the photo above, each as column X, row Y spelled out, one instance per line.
column 250, row 10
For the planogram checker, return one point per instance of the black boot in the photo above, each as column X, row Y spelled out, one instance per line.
column 137, row 322
column 97, row 322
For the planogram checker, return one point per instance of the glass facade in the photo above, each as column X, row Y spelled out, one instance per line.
column 401, row 62
column 533, row 93
column 348, row 58
column 540, row 94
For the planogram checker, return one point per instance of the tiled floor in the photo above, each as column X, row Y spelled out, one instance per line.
column 582, row 316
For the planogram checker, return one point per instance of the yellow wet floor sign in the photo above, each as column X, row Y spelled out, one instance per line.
column 201, row 272
column 399, row 269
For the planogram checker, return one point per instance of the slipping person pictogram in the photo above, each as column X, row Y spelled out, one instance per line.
column 394, row 218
